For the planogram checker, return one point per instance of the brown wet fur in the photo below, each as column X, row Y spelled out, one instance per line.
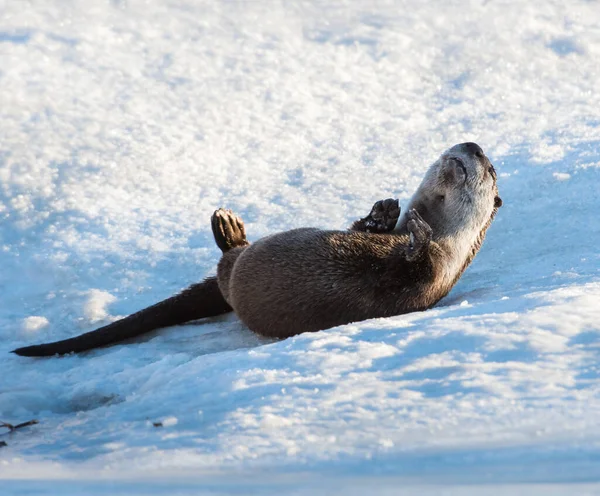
column 308, row 280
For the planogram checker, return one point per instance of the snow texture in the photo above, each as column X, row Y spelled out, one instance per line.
column 34, row 323
column 124, row 124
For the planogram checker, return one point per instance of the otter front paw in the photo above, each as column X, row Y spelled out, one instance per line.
column 420, row 236
column 381, row 219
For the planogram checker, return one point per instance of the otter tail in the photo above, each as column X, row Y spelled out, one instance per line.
column 196, row 302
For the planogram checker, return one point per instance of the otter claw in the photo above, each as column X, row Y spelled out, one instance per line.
column 228, row 229
column 420, row 235
column 382, row 218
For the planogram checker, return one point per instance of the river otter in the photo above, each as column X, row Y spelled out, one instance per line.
column 310, row 279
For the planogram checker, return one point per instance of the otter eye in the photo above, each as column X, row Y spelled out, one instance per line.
column 441, row 198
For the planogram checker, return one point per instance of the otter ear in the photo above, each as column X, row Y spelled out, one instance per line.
column 497, row 202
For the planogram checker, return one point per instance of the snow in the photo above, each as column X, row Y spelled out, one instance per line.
column 123, row 126
column 34, row 323
column 94, row 309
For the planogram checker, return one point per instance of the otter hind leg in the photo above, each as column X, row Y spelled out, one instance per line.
column 228, row 230
column 230, row 236
column 224, row 270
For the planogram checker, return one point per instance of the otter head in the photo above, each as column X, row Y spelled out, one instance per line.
column 459, row 192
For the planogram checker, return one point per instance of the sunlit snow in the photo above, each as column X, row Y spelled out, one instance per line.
column 124, row 124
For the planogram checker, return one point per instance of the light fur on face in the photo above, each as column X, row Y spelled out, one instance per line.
column 458, row 198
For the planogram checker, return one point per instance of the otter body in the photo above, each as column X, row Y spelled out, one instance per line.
column 309, row 279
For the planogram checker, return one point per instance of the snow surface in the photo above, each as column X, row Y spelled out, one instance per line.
column 124, row 124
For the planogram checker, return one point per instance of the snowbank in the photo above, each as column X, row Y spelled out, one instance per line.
column 125, row 124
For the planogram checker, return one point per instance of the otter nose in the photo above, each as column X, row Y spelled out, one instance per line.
column 473, row 148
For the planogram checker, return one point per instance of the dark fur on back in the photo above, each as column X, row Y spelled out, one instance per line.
column 307, row 280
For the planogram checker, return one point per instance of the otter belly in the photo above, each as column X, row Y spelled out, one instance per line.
column 298, row 281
